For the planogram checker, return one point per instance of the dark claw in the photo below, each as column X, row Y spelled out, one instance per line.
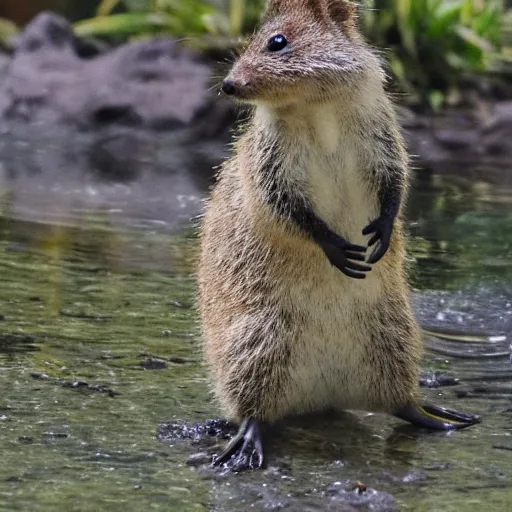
column 436, row 418
column 245, row 450
column 373, row 240
column 349, row 273
column 382, row 229
column 371, row 228
column 355, row 266
column 354, row 256
column 377, row 254
column 230, row 449
column 354, row 248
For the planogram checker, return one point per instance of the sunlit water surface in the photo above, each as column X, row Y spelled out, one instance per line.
column 99, row 346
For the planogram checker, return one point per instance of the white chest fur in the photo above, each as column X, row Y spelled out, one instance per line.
column 334, row 167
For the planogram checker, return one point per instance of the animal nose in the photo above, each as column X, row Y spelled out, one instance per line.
column 228, row 87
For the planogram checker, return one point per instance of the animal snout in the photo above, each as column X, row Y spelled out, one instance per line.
column 238, row 88
column 228, row 87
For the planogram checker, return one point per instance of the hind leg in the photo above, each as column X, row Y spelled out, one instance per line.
column 395, row 356
column 250, row 383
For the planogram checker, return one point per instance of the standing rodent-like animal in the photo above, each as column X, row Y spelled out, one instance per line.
column 295, row 317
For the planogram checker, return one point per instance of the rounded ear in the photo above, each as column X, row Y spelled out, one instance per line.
column 277, row 7
column 341, row 11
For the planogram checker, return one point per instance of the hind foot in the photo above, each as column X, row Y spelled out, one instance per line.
column 436, row 418
column 245, row 450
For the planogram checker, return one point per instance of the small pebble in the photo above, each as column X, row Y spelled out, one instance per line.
column 198, row 459
column 41, row 376
column 153, row 363
column 179, row 360
column 56, row 435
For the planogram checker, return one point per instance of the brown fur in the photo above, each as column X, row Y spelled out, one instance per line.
column 270, row 302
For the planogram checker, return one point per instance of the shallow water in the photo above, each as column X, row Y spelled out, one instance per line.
column 99, row 346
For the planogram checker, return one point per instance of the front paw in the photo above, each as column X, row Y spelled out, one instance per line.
column 344, row 256
column 382, row 229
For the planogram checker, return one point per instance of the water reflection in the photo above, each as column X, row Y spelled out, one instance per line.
column 461, row 229
column 97, row 294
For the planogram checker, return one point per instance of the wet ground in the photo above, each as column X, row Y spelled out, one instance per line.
column 102, row 380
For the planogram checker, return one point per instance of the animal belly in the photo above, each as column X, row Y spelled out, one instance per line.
column 328, row 368
column 327, row 379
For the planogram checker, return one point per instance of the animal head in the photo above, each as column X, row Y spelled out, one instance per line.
column 305, row 50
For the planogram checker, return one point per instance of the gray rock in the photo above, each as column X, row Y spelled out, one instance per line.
column 497, row 134
column 451, row 137
column 457, row 140
column 55, row 77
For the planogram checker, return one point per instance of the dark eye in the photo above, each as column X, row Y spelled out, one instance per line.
column 277, row 43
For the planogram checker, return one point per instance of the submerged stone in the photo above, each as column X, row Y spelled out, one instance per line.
column 221, row 429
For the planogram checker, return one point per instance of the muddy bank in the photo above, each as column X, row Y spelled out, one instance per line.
column 458, row 137
column 129, row 99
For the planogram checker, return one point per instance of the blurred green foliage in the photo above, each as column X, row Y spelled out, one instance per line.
column 503, row 64
column 7, row 31
column 121, row 18
column 430, row 44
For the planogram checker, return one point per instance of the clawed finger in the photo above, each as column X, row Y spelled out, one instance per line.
column 374, row 240
column 371, row 228
column 228, row 452
column 350, row 273
column 354, row 248
column 377, row 254
column 356, row 266
column 259, row 454
column 355, row 256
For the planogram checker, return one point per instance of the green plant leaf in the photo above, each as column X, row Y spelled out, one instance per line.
column 106, row 7
column 436, row 100
column 123, row 24
column 405, row 14
column 236, row 16
column 139, row 5
column 7, row 31
column 470, row 37
column 444, row 21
